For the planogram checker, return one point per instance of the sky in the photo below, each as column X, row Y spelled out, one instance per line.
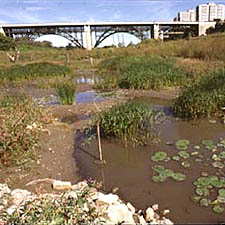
column 40, row 11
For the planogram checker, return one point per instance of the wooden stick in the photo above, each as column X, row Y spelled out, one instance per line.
column 99, row 142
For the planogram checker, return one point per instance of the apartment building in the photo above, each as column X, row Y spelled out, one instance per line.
column 187, row 16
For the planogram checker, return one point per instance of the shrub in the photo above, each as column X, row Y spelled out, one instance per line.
column 132, row 122
column 204, row 98
column 146, row 72
column 21, row 121
column 66, row 93
column 6, row 43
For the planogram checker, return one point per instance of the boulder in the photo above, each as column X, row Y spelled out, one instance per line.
column 149, row 214
column 119, row 213
column 109, row 199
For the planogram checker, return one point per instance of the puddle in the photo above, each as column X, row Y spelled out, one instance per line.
column 80, row 97
column 131, row 169
column 88, row 79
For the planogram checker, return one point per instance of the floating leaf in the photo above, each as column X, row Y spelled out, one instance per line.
column 182, row 144
column 196, row 198
column 218, row 209
column 204, row 174
column 219, row 165
column 204, row 202
column 197, row 147
column 222, row 155
column 185, row 164
column 159, row 156
column 158, row 168
column 178, row 176
column 198, row 160
column 221, row 192
column 203, row 191
column 207, row 142
column 176, row 158
column 159, row 179
column 184, row 154
column 194, row 153
column 215, row 157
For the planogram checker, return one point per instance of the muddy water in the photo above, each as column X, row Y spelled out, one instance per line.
column 131, row 169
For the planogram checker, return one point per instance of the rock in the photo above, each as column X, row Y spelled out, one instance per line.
column 131, row 207
column 61, row 185
column 156, row 216
column 142, row 220
column 19, row 196
column 167, row 221
column 165, row 212
column 73, row 194
column 11, row 210
column 4, row 189
column 119, row 213
column 149, row 214
column 109, row 199
column 155, row 207
column 79, row 186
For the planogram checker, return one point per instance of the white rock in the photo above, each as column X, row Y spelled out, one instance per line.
column 73, row 194
column 79, row 186
column 61, row 185
column 19, row 196
column 131, row 207
column 119, row 213
column 165, row 212
column 4, row 189
column 167, row 221
column 155, row 207
column 109, row 199
column 142, row 220
column 11, row 210
column 149, row 214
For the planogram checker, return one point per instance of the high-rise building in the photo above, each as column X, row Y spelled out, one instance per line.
column 203, row 13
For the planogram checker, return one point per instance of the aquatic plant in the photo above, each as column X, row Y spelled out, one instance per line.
column 163, row 174
column 184, row 154
column 66, row 93
column 146, row 72
column 202, row 99
column 133, row 122
column 182, row 144
column 159, row 156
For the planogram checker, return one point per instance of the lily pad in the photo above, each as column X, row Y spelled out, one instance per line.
column 179, row 176
column 207, row 142
column 219, row 165
column 196, row 198
column 198, row 160
column 176, row 158
column 215, row 157
column 203, row 191
column 194, row 153
column 158, row 168
column 182, row 144
column 204, row 202
column 186, row 164
column 184, row 154
column 204, row 174
column 159, row 179
column 197, row 147
column 218, row 209
column 159, row 156
column 222, row 155
column 222, row 192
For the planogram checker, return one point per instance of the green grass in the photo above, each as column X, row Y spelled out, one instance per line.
column 146, row 72
column 66, row 93
column 204, row 98
column 31, row 71
column 132, row 122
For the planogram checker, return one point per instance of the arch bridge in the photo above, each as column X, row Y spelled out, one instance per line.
column 90, row 35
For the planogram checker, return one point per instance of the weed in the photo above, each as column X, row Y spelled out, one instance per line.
column 66, row 93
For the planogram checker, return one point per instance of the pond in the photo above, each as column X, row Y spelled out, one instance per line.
column 131, row 169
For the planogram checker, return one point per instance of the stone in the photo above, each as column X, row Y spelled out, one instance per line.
column 155, row 207
column 149, row 214
column 19, row 196
column 61, row 185
column 167, row 221
column 4, row 189
column 11, row 210
column 79, row 186
column 131, row 207
column 165, row 212
column 119, row 213
column 109, row 199
column 142, row 220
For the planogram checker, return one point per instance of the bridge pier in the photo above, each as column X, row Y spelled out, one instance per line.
column 155, row 31
column 2, row 31
column 88, row 38
column 204, row 26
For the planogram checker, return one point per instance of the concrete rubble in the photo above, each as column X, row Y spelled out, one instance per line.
column 115, row 211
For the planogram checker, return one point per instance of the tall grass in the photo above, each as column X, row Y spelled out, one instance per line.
column 146, row 72
column 31, row 72
column 66, row 93
column 205, row 98
column 132, row 122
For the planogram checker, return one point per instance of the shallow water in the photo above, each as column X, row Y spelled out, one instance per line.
column 131, row 169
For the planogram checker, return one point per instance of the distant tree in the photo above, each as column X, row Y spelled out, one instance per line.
column 220, row 27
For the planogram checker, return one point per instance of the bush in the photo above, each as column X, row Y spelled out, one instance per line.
column 132, row 122
column 205, row 98
column 32, row 71
column 21, row 121
column 6, row 43
column 66, row 93
column 146, row 72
